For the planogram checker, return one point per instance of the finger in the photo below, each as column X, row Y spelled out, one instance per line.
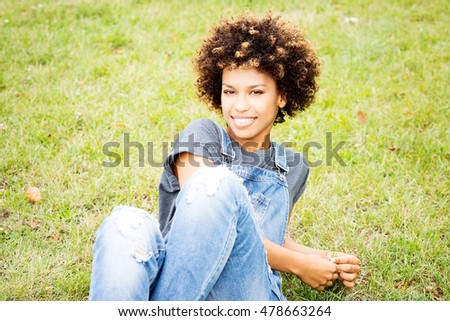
column 320, row 288
column 329, row 283
column 346, row 259
column 349, row 268
column 335, row 268
column 348, row 276
column 335, row 276
column 348, row 284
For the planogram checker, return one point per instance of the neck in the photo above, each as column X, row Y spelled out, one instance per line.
column 251, row 146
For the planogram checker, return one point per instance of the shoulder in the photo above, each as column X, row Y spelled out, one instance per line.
column 296, row 161
column 201, row 138
column 202, row 124
column 298, row 173
column 201, row 130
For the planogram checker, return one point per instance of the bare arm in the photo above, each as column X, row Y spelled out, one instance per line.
column 313, row 269
column 289, row 244
column 348, row 265
column 187, row 164
column 310, row 265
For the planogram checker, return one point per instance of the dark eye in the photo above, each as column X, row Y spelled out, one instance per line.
column 257, row 92
column 228, row 92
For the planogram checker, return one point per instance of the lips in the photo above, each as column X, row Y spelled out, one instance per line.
column 243, row 121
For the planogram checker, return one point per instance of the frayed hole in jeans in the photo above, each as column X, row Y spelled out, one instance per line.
column 210, row 181
column 140, row 253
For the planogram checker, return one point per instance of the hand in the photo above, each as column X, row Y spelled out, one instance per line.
column 348, row 267
column 316, row 271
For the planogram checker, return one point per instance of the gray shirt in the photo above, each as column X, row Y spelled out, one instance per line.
column 203, row 138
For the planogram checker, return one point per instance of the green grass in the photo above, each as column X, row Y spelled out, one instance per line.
column 73, row 71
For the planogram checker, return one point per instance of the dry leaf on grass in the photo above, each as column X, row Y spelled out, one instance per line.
column 394, row 148
column 55, row 237
column 362, row 117
column 33, row 194
column 120, row 125
column 437, row 293
column 118, row 51
column 32, row 223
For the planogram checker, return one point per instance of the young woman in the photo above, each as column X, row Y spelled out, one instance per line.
column 226, row 195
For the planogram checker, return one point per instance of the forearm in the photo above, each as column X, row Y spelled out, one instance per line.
column 281, row 258
column 312, row 269
column 348, row 265
column 291, row 245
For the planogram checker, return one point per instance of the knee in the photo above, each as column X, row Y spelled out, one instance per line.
column 129, row 227
column 129, row 222
column 214, row 183
column 212, row 195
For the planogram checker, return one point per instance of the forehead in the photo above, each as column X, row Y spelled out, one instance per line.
column 241, row 76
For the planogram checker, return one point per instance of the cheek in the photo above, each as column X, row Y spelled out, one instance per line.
column 224, row 108
column 225, row 103
column 270, row 106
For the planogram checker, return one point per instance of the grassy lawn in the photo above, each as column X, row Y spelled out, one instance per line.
column 75, row 75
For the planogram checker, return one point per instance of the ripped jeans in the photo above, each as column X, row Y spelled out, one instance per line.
column 214, row 250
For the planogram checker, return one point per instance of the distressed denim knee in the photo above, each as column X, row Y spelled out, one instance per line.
column 128, row 253
column 215, row 185
column 214, row 239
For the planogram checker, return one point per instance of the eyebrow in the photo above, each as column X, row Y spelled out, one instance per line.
column 251, row 87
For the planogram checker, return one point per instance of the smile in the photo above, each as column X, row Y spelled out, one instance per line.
column 243, row 121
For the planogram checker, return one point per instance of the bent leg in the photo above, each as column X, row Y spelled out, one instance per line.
column 128, row 254
column 214, row 248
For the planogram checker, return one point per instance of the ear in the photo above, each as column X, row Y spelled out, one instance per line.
column 281, row 101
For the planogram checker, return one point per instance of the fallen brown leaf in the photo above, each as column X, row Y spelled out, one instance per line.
column 437, row 295
column 394, row 148
column 118, row 51
column 436, row 292
column 55, row 237
column 32, row 223
column 120, row 125
column 362, row 117
column 33, row 194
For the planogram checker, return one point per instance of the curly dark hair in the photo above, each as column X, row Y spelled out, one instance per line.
column 270, row 45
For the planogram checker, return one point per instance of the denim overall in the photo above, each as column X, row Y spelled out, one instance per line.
column 268, row 192
column 214, row 249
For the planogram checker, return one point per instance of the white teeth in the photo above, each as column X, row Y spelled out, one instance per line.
column 243, row 121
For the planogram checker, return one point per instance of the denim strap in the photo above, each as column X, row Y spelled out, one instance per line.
column 280, row 157
column 227, row 147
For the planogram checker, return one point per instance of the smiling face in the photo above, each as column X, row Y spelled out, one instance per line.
column 250, row 102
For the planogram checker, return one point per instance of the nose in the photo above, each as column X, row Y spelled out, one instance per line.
column 241, row 104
